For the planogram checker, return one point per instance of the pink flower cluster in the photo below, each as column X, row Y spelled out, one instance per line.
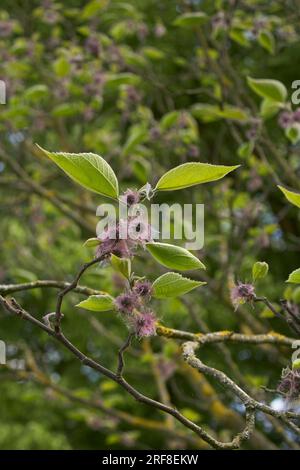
column 242, row 293
column 130, row 197
column 143, row 324
column 288, row 118
column 132, row 306
column 137, row 233
column 111, row 243
column 123, row 238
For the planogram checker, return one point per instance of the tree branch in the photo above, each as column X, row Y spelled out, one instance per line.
column 41, row 284
column 15, row 309
column 121, row 362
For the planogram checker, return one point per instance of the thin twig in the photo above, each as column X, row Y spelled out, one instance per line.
column 69, row 288
column 121, row 362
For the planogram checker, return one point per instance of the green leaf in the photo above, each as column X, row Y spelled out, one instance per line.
column 62, row 67
column 93, row 7
column 294, row 277
column 208, row 112
column 266, row 40
column 120, row 31
column 173, row 285
column 190, row 174
column 293, row 133
column 113, row 81
column 267, row 88
column 168, row 120
column 98, row 303
column 89, row 170
column 188, row 20
column 245, row 149
column 141, row 168
column 269, row 108
column 67, row 109
column 122, row 265
column 137, row 135
column 291, row 196
column 90, row 242
column 23, row 275
column 296, row 295
column 36, row 93
column 259, row 270
column 232, row 112
column 205, row 112
column 296, row 364
column 174, row 257
column 239, row 36
column 153, row 53
column 132, row 58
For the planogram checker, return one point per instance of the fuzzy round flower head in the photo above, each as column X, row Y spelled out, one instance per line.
column 130, row 197
column 155, row 133
column 119, row 248
column 105, row 248
column 285, row 119
column 139, row 230
column 6, row 28
column 159, row 30
column 142, row 31
column 251, row 133
column 51, row 16
column 290, row 383
column 122, row 249
column 193, row 151
column 297, row 115
column 219, row 21
column 143, row 288
column 242, row 293
column 132, row 94
column 123, row 238
column 92, row 45
column 254, row 129
column 111, row 243
column 143, row 324
column 111, row 232
column 127, row 302
column 258, row 25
